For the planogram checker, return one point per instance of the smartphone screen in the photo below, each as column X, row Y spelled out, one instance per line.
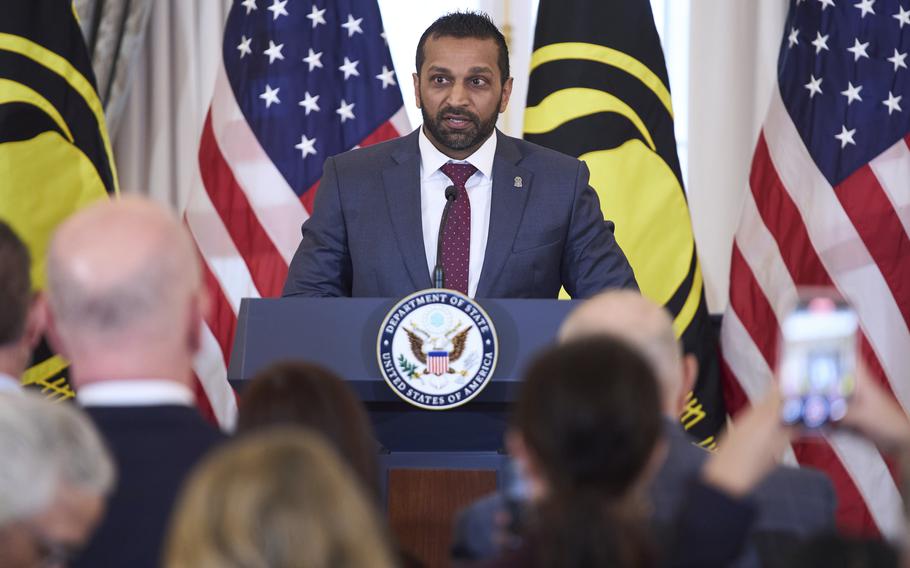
column 817, row 359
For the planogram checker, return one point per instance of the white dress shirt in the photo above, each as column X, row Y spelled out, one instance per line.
column 9, row 383
column 433, row 184
column 135, row 392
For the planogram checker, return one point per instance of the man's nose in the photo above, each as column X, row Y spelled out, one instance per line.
column 458, row 95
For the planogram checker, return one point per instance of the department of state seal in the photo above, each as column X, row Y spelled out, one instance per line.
column 437, row 349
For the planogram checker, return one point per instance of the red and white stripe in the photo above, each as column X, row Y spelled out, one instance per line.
column 438, row 364
column 798, row 230
column 246, row 220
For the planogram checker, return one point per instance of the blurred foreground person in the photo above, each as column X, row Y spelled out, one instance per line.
column 873, row 413
column 792, row 503
column 588, row 447
column 126, row 308
column 21, row 323
column 280, row 498
column 304, row 394
column 55, row 476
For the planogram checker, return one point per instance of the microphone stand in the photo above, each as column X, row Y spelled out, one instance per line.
column 438, row 276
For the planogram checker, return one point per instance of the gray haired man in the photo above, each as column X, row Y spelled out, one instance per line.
column 791, row 503
column 55, row 478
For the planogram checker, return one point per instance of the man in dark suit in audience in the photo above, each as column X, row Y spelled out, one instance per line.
column 792, row 503
column 21, row 323
column 126, row 307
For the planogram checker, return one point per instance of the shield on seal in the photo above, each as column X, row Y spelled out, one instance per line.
column 438, row 362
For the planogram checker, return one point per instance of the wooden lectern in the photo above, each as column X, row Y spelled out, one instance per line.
column 433, row 462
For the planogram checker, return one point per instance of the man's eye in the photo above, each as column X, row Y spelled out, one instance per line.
column 478, row 81
column 439, row 80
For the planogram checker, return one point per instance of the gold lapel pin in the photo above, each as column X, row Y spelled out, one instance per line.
column 517, row 182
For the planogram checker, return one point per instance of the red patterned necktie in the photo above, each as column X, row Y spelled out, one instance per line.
column 456, row 240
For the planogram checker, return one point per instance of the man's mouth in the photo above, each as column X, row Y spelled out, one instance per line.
column 457, row 121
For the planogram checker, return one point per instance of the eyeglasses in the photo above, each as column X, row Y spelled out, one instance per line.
column 50, row 552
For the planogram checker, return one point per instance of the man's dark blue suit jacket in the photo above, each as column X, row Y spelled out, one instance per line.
column 365, row 236
column 154, row 448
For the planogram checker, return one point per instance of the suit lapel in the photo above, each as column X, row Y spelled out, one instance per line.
column 507, row 206
column 402, row 189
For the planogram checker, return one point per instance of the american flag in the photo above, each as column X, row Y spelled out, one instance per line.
column 829, row 204
column 300, row 81
column 438, row 362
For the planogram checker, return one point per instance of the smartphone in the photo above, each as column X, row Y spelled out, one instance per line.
column 818, row 358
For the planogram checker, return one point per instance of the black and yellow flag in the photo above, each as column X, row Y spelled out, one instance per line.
column 599, row 91
column 55, row 156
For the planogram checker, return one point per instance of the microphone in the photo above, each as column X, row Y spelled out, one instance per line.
column 438, row 276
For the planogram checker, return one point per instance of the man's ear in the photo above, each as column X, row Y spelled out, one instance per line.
column 690, row 371
column 51, row 329
column 200, row 307
column 416, row 79
column 506, row 93
column 689, row 374
column 35, row 321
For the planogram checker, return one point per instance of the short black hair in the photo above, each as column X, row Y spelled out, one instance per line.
column 476, row 25
column 15, row 285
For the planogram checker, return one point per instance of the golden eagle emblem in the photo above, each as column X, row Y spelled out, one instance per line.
column 437, row 352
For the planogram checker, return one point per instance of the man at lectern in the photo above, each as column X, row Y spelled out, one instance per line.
column 457, row 202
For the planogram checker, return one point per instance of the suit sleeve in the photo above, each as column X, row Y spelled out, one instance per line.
column 711, row 530
column 322, row 264
column 475, row 527
column 592, row 260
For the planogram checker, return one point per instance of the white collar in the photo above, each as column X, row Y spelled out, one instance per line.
column 431, row 159
column 135, row 392
column 9, row 383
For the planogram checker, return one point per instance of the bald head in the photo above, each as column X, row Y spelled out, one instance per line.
column 121, row 273
column 645, row 325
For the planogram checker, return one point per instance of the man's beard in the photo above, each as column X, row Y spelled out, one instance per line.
column 459, row 139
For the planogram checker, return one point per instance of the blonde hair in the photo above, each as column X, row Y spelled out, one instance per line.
column 280, row 498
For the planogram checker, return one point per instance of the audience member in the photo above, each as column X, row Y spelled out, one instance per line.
column 309, row 395
column 304, row 394
column 279, row 498
column 55, row 477
column 587, row 446
column 126, row 308
column 792, row 503
column 21, row 323
column 874, row 414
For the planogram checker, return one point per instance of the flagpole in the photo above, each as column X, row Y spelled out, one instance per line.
column 516, row 21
